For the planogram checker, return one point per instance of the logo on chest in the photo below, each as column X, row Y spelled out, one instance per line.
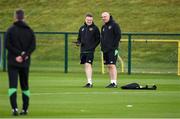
column 82, row 29
column 90, row 29
column 103, row 29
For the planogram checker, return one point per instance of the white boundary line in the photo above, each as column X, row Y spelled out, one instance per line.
column 132, row 92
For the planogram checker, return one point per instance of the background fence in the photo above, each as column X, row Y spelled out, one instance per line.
column 0, row 51
column 140, row 52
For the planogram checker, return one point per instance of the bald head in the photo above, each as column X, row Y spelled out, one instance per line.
column 105, row 17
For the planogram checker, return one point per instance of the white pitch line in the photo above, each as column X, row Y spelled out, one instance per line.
column 76, row 93
column 131, row 92
column 110, row 93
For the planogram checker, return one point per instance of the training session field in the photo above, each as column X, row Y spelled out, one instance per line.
column 149, row 51
column 62, row 95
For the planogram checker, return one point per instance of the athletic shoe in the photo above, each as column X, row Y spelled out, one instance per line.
column 111, row 85
column 154, row 87
column 23, row 112
column 15, row 112
column 88, row 85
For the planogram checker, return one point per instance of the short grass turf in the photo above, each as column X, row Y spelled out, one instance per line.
column 60, row 95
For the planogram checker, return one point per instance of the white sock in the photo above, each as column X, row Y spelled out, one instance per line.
column 90, row 81
column 15, row 109
column 114, row 81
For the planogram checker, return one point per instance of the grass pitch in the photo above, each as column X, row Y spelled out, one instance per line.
column 61, row 95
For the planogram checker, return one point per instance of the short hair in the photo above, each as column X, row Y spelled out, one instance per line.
column 19, row 14
column 106, row 13
column 89, row 15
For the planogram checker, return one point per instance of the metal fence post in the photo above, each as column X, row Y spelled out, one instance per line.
column 66, row 53
column 4, row 52
column 0, row 51
column 178, row 66
column 129, row 53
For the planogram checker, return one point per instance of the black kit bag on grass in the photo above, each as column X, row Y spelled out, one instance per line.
column 136, row 86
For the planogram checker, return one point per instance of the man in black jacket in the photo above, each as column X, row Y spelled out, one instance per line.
column 88, row 38
column 110, row 37
column 20, row 43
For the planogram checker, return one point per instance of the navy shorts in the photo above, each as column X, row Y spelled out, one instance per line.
column 110, row 57
column 87, row 58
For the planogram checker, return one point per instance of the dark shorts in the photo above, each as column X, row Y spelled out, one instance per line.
column 110, row 57
column 87, row 58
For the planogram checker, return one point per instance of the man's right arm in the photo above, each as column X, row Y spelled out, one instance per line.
column 78, row 42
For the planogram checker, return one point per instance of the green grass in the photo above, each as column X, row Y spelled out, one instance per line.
column 68, row 15
column 147, row 57
column 61, row 95
column 55, row 94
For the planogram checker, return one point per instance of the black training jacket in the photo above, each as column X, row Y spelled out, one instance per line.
column 88, row 37
column 19, row 37
column 110, row 36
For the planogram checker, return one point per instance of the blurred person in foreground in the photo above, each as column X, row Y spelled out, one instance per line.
column 20, row 43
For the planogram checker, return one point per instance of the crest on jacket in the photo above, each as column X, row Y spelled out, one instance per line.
column 90, row 29
column 109, row 27
column 82, row 29
column 103, row 29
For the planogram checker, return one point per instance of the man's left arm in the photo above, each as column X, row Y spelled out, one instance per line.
column 117, row 33
column 97, row 37
column 31, row 48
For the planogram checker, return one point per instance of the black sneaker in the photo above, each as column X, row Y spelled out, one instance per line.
column 88, row 85
column 15, row 112
column 111, row 85
column 154, row 87
column 23, row 112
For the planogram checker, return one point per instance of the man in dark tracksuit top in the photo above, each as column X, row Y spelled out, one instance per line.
column 88, row 38
column 20, row 43
column 110, row 37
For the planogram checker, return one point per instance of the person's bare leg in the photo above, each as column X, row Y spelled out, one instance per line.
column 112, row 73
column 88, row 71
